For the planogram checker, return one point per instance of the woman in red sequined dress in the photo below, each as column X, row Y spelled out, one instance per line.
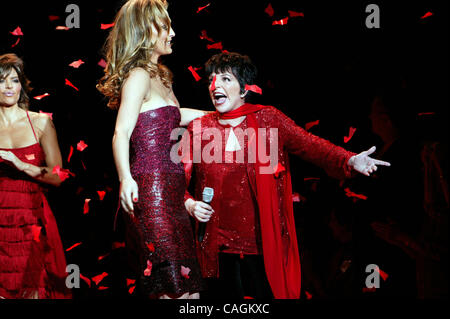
column 32, row 262
column 250, row 241
column 158, row 233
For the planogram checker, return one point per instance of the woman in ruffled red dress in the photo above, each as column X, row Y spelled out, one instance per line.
column 32, row 261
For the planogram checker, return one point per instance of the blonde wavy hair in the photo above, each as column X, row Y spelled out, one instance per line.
column 129, row 46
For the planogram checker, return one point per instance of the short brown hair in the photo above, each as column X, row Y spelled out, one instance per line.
column 11, row 61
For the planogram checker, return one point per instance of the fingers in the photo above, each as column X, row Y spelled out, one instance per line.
column 202, row 211
column 370, row 150
column 378, row 162
column 128, row 196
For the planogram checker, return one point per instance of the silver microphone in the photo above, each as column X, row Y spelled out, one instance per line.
column 207, row 196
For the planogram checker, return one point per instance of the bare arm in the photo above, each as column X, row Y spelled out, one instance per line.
column 134, row 90
column 188, row 115
column 49, row 144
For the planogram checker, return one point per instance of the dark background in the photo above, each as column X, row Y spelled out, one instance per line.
column 324, row 66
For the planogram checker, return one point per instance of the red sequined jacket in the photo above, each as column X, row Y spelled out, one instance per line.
column 291, row 139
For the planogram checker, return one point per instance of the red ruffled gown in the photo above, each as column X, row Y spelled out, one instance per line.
column 32, row 262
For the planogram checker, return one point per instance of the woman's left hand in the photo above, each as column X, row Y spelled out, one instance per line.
column 364, row 164
column 12, row 158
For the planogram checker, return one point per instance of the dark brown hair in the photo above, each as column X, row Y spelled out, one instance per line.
column 11, row 61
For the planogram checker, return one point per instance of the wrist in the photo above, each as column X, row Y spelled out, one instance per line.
column 351, row 161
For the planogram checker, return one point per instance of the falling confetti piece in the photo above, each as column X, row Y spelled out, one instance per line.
column 383, row 275
column 350, row 135
column 116, row 245
column 426, row 15
column 76, row 64
column 253, row 88
column 148, row 270
column 204, row 36
column 281, row 22
column 70, row 84
column 30, row 157
column 151, row 247
column 130, row 282
column 50, row 115
column 102, row 63
column 102, row 288
column 311, row 124
column 308, row 295
column 296, row 197
column 194, row 74
column 62, row 27
column 17, row 42
column 248, row 297
column 280, row 168
column 62, row 173
column 101, row 194
column 53, row 18
column 36, row 231
column 217, row 46
column 102, row 257
column 87, row 280
column 40, row 97
column 349, row 193
column 17, row 32
column 72, row 247
column 294, row 14
column 97, row 279
column 86, row 206
column 81, row 146
column 185, row 272
column 70, row 154
column 130, row 291
column 202, row 8
column 213, row 84
column 106, row 26
column 269, row 10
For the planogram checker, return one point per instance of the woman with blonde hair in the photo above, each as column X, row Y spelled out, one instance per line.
column 159, row 234
column 32, row 262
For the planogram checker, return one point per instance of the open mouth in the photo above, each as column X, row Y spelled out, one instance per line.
column 220, row 98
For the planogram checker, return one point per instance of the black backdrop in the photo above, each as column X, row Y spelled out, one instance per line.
column 323, row 66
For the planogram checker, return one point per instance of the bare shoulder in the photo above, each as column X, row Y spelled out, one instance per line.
column 41, row 120
column 139, row 75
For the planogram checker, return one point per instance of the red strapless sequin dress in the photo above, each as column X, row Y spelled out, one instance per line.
column 161, row 234
column 32, row 262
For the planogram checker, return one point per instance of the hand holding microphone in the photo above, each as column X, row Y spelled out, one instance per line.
column 201, row 210
column 207, row 196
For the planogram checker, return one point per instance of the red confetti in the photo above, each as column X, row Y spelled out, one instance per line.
column 308, row 295
column 185, row 272
column 116, row 245
column 101, row 194
column 217, row 46
column 294, row 14
column 17, row 32
column 36, row 231
column 76, row 64
column 86, row 206
column 53, row 18
column 349, row 193
column 151, row 247
column 81, row 146
column 70, row 84
column 195, row 74
column 311, row 179
column 97, row 279
column 280, row 168
column 296, row 197
column 102, row 63
column 204, row 36
column 269, row 10
column 50, row 115
column 17, row 42
column 70, row 154
column 383, row 275
column 106, row 26
column 62, row 173
column 87, row 280
column 202, row 8
column 248, row 297
column 130, row 291
column 102, row 288
column 350, row 135
column 213, row 84
column 426, row 15
column 102, row 257
column 62, row 27
column 30, row 157
column 311, row 124
column 281, row 22
column 253, row 88
column 130, row 282
column 148, row 270
column 39, row 97
column 72, row 247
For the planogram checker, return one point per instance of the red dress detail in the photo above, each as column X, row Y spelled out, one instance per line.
column 32, row 261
